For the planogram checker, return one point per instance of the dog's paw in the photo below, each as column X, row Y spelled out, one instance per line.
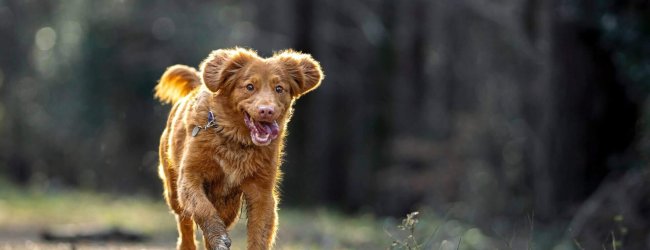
column 221, row 243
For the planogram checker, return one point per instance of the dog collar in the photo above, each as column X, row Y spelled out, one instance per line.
column 212, row 123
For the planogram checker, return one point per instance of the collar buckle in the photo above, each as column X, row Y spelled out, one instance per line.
column 211, row 123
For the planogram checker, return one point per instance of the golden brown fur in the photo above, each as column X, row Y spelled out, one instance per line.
column 207, row 177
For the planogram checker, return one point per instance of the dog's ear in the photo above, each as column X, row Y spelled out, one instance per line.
column 303, row 69
column 218, row 69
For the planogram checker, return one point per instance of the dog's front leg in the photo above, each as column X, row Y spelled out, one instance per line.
column 195, row 202
column 262, row 215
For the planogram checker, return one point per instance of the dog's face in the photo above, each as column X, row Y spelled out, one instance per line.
column 261, row 90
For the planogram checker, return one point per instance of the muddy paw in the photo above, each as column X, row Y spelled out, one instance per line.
column 222, row 243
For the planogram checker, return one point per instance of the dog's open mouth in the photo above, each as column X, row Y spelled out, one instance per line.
column 262, row 132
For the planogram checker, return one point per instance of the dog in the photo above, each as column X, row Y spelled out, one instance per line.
column 223, row 142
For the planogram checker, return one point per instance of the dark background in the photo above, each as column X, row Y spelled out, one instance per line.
column 491, row 111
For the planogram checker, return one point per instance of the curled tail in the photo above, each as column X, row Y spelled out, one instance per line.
column 176, row 82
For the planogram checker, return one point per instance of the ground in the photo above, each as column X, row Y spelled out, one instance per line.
column 26, row 212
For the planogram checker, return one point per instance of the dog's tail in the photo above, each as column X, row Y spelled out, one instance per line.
column 176, row 82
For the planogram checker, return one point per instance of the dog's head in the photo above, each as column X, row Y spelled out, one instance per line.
column 260, row 90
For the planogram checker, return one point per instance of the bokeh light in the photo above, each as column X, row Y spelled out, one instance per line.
column 45, row 38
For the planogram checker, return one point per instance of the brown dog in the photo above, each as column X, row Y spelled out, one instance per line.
column 224, row 140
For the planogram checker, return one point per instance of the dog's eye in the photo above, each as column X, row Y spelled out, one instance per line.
column 279, row 89
column 250, row 87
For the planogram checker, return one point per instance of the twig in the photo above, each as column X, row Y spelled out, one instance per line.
column 531, row 220
column 575, row 241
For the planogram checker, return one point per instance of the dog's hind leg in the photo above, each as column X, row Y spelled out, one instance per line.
column 169, row 177
column 184, row 222
column 186, row 233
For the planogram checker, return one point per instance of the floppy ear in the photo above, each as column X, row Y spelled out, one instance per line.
column 303, row 69
column 218, row 69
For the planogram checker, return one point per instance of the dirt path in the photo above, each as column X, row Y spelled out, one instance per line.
column 29, row 239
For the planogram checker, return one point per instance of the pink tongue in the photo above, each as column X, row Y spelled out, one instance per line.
column 274, row 129
column 270, row 128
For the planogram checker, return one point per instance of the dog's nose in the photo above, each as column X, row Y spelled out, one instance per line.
column 265, row 112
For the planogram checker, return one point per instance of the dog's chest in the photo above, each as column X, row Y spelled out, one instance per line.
column 238, row 164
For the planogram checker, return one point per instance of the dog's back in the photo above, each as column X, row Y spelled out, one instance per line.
column 177, row 82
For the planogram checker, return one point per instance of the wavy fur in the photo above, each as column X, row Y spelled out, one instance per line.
column 208, row 175
column 177, row 82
